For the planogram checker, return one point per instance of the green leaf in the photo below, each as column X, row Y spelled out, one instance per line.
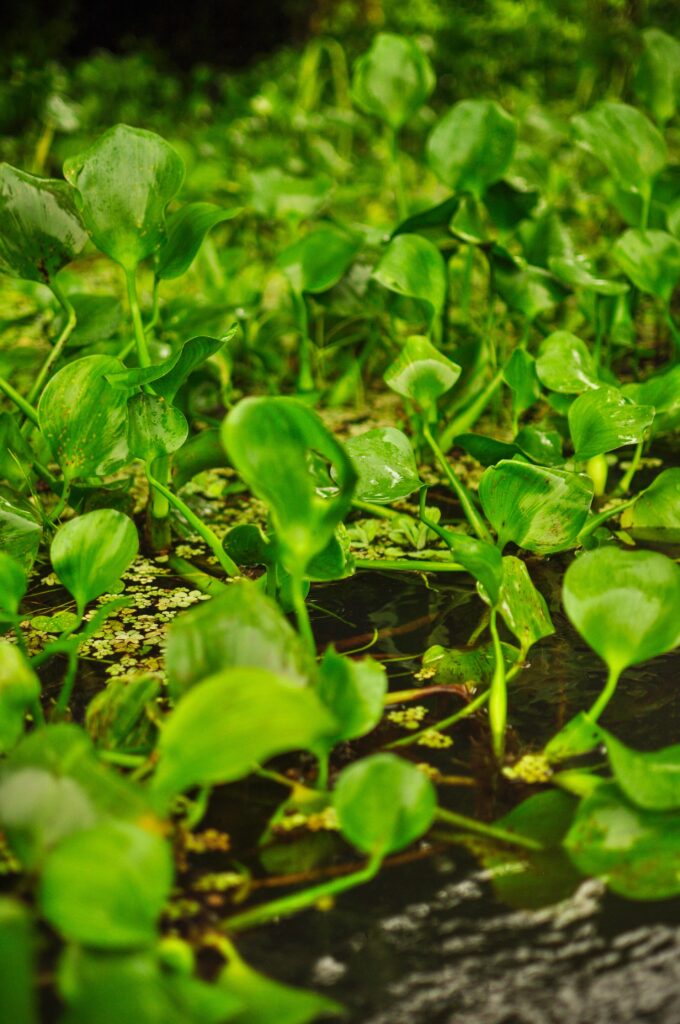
column 656, row 513
column 16, row 458
column 603, row 420
column 155, row 428
column 269, row 441
column 241, row 628
column 420, row 372
column 657, row 77
column 627, row 143
column 412, row 266
column 17, row 963
column 383, row 803
column 90, row 554
column 222, row 727
column 392, row 79
column 579, row 736
column 353, row 691
column 651, row 259
column 540, row 445
column 636, row 852
column 40, row 228
column 522, row 606
column 125, row 180
column 528, row 289
column 487, row 450
column 459, row 667
column 84, row 419
column 248, row 545
column 663, row 392
column 576, row 271
column 167, row 378
column 538, row 508
column 649, row 780
column 105, row 887
column 624, row 604
column 20, row 527
column 564, row 364
column 186, row 231
column 13, row 584
column 98, row 318
column 287, row 196
column 481, row 559
column 335, row 562
column 318, row 260
column 520, row 375
column 471, row 147
column 385, row 463
column 269, row 1002
column 19, row 693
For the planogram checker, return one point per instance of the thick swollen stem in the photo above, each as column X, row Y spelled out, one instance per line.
column 136, row 314
column 494, row 832
column 498, row 694
column 288, row 905
column 59, row 343
column 606, row 695
column 461, row 492
column 158, row 510
column 211, row 539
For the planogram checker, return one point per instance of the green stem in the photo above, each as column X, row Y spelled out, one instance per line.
column 406, row 565
column 596, row 522
column 159, row 507
column 445, row 723
column 495, row 832
column 498, row 694
column 59, row 343
column 606, row 695
column 301, row 612
column 381, row 511
column 397, row 174
column 63, row 501
column 461, row 492
column 140, row 337
column 21, row 403
column 68, row 683
column 627, row 478
column 305, row 375
column 207, row 535
column 471, row 414
column 323, row 759
column 303, row 900
column 200, row 580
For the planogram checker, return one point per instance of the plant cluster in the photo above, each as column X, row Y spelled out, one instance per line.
column 476, row 298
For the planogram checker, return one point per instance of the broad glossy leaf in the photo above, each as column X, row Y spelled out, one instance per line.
column 543, row 445
column 656, row 513
column 487, row 450
column 269, row 1002
column 520, row 375
column 241, row 628
column 603, row 420
column 471, row 147
column 102, row 988
column 167, row 378
column 663, row 392
column 19, row 692
column 335, row 561
column 20, row 527
column 186, row 231
column 528, row 289
column 125, row 180
column 90, row 553
column 222, row 727
column 18, row 1001
column 481, row 559
column 636, row 852
column 657, row 78
column 248, row 545
column 412, row 266
column 624, row 604
column 386, row 465
column 98, row 318
column 84, row 418
column 522, row 606
column 627, row 143
column 383, row 803
column 420, row 372
column 564, row 364
column 392, row 79
column 318, row 260
column 648, row 779
column 579, row 736
column 106, row 886
column 538, row 508
column 651, row 259
column 155, row 427
column 353, row 692
column 269, row 441
column 576, row 271
column 40, row 228
column 13, row 584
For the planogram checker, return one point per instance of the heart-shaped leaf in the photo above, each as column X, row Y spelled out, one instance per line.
column 90, row 553
column 316, row 262
column 40, row 228
column 538, row 508
column 385, row 463
column 564, row 364
column 353, row 691
column 155, row 427
column 651, row 259
column 125, row 180
column 412, row 266
column 471, row 147
column 656, row 512
column 627, row 143
column 603, row 420
column 649, row 780
column 420, row 372
column 392, row 79
column 657, row 78
column 186, row 230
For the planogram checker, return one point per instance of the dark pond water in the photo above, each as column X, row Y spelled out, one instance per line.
column 429, row 942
